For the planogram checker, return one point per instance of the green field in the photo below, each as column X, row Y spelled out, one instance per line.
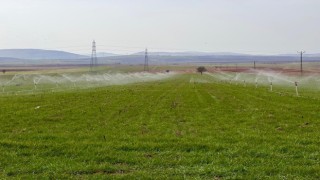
column 167, row 129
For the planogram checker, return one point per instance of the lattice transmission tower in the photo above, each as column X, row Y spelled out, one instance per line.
column 94, row 59
column 146, row 61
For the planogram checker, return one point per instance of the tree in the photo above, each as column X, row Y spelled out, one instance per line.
column 4, row 71
column 201, row 69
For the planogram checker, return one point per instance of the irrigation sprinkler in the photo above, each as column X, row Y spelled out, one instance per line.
column 36, row 81
column 271, row 86
column 296, row 84
column 244, row 83
column 230, row 81
column 83, row 81
column 256, row 84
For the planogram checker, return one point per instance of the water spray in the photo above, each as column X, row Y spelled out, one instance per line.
column 76, row 81
column 296, row 84
column 36, row 81
column 271, row 86
column 256, row 84
column 244, row 83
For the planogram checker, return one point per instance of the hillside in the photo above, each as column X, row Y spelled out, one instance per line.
column 38, row 54
column 36, row 57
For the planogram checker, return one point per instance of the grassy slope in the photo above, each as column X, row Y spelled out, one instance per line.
column 169, row 129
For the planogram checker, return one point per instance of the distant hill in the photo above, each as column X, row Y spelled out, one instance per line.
column 38, row 54
column 8, row 59
column 103, row 54
column 191, row 53
column 40, row 57
column 170, row 59
column 304, row 55
column 312, row 55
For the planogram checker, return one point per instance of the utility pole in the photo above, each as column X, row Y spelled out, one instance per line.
column 146, row 61
column 94, row 59
column 301, row 55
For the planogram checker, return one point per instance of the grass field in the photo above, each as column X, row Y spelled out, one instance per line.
column 169, row 129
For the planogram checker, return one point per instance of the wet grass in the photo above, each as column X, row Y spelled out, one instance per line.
column 169, row 129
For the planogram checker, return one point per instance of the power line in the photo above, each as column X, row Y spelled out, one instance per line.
column 133, row 48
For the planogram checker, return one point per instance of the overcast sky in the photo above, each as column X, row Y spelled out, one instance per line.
column 124, row 26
